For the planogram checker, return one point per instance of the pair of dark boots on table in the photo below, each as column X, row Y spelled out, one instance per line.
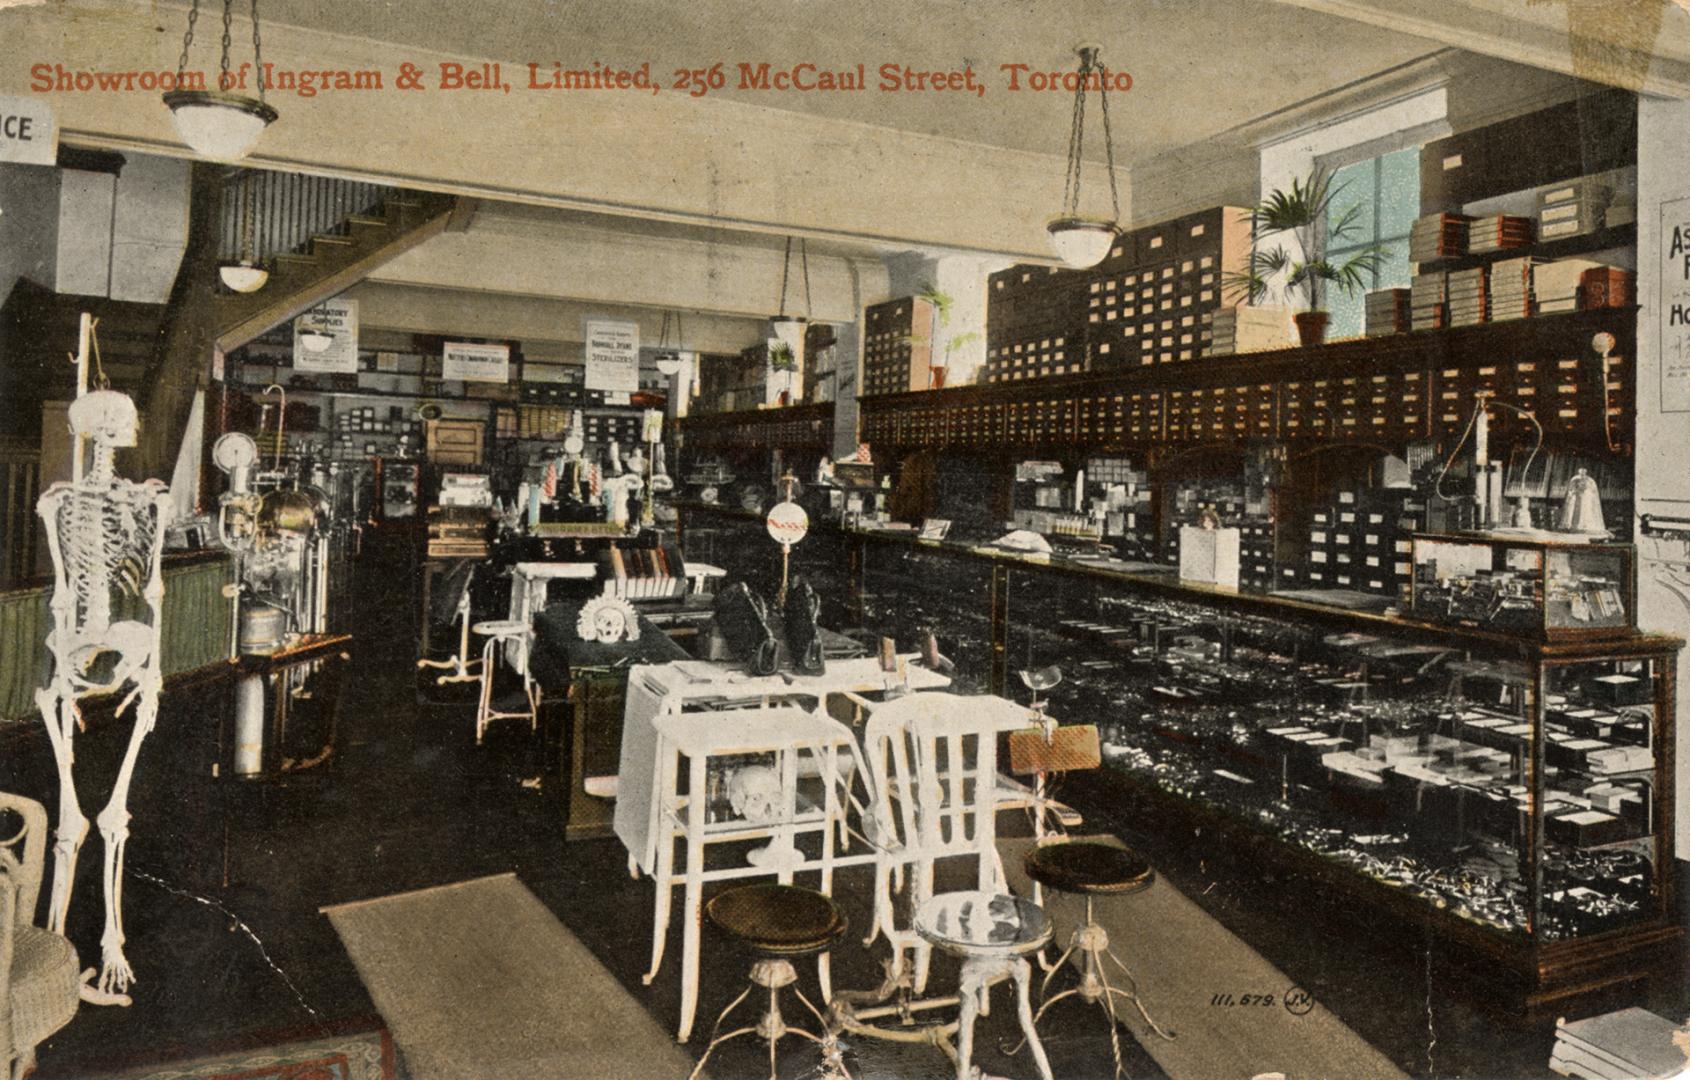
column 747, row 625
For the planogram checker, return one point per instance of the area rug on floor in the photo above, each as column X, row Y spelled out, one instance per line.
column 1182, row 958
column 478, row 979
column 365, row 1055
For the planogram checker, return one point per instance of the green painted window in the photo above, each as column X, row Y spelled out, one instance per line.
column 1387, row 188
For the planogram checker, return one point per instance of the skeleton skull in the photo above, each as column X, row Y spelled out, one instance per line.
column 106, row 416
column 754, row 793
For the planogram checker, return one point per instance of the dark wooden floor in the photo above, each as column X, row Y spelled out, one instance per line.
column 409, row 801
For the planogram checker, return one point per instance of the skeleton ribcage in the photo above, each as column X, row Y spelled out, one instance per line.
column 105, row 545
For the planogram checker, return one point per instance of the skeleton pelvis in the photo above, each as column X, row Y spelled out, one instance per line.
column 106, row 662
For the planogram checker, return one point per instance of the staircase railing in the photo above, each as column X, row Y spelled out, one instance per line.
column 289, row 209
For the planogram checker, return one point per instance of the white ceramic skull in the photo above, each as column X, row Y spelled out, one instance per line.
column 754, row 793
column 105, row 416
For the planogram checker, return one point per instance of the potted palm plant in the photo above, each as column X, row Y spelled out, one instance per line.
column 1304, row 212
column 943, row 346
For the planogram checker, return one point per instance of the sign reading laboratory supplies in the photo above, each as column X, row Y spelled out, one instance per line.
column 337, row 320
column 476, row 363
column 613, row 355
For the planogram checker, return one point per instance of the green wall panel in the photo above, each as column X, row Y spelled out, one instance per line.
column 195, row 633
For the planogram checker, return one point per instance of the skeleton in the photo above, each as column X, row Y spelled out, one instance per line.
column 106, row 535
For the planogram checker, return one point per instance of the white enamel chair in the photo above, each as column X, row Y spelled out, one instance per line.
column 934, row 794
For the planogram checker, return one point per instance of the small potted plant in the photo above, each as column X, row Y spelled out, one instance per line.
column 940, row 360
column 1304, row 212
column 783, row 366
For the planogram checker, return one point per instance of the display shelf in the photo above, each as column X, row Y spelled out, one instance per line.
column 1614, row 236
column 1165, row 583
column 1404, row 387
column 791, row 427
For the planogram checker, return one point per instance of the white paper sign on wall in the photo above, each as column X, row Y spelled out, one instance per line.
column 1675, row 305
column 613, row 355
column 29, row 135
column 339, row 320
column 476, row 363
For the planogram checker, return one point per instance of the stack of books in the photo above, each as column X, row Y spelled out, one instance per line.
column 1511, row 288
column 1606, row 286
column 1388, row 312
column 1631, row 1044
column 1557, row 284
column 1499, row 232
column 1575, row 208
column 1436, row 236
column 1249, row 329
column 1427, row 295
column 1469, row 296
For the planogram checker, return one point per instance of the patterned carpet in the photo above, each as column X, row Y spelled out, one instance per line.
column 365, row 1055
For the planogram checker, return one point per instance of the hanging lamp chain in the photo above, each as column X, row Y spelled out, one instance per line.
column 785, row 269
column 1076, row 139
column 187, row 41
column 249, row 193
column 804, row 259
column 1108, row 139
column 224, row 82
column 257, row 53
column 1090, row 67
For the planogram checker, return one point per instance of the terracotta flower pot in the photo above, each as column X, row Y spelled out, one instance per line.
column 1311, row 326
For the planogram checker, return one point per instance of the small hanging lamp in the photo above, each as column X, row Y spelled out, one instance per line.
column 1082, row 242
column 220, row 124
column 246, row 275
column 789, row 330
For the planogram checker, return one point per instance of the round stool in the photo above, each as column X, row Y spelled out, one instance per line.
column 992, row 933
column 499, row 632
column 1091, row 870
column 779, row 923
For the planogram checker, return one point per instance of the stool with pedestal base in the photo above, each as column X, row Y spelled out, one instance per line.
column 779, row 923
column 1092, row 870
column 499, row 632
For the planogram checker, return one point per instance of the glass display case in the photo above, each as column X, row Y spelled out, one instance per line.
column 1510, row 795
column 1548, row 589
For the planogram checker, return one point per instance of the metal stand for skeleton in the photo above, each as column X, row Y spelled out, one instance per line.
column 106, row 536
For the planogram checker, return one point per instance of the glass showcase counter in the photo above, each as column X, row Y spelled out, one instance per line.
column 1511, row 795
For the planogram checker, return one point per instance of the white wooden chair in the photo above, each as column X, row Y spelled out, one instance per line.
column 39, row 984
column 934, row 794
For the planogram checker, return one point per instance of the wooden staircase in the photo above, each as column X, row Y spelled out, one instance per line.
column 161, row 354
column 332, row 262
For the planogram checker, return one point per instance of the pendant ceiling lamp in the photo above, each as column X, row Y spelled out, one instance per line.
column 246, row 275
column 1079, row 241
column 220, row 124
column 790, row 328
column 669, row 358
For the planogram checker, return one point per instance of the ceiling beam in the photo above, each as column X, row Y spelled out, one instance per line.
column 1637, row 47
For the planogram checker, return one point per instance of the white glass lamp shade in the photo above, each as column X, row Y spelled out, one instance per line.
column 315, row 340
column 244, row 276
column 217, row 125
column 669, row 363
column 1081, row 242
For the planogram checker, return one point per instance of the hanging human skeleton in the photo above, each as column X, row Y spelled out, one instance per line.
column 106, row 536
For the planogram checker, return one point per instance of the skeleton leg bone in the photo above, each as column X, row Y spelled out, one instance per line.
column 58, row 710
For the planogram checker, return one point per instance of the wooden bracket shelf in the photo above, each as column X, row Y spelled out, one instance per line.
column 793, row 427
column 1403, row 388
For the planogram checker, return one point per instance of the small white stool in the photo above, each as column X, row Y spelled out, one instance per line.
column 498, row 632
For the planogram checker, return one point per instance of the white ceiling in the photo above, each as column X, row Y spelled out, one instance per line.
column 1199, row 66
